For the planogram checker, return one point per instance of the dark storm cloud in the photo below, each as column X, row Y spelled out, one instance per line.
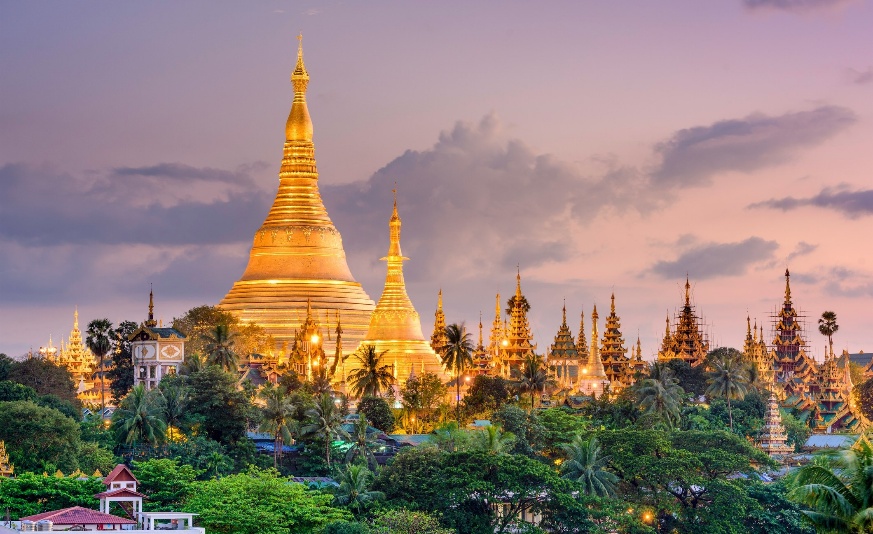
column 46, row 207
column 794, row 5
column 717, row 259
column 852, row 204
column 694, row 155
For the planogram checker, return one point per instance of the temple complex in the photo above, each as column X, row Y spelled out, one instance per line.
column 518, row 336
column 564, row 359
column 687, row 340
column 593, row 380
column 297, row 255
column 755, row 351
column 395, row 327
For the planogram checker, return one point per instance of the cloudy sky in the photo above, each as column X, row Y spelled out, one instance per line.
column 600, row 146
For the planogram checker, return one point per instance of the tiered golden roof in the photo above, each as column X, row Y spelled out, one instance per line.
column 482, row 360
column 687, row 342
column 519, row 338
column 563, row 356
column 613, row 352
column 395, row 327
column 297, row 255
column 581, row 341
column 794, row 368
column 438, row 339
column 77, row 359
column 497, row 338
column 773, row 439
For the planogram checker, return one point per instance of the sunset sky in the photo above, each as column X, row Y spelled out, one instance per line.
column 599, row 146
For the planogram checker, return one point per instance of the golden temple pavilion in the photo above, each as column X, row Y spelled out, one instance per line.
column 687, row 341
column 297, row 255
column 395, row 326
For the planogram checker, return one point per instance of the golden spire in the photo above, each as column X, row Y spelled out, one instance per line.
column 687, row 291
column 595, row 365
column 518, row 286
column 151, row 320
column 480, row 329
column 612, row 305
column 395, row 325
column 497, row 311
column 748, row 326
column 787, row 288
column 564, row 313
column 299, row 125
column 76, row 318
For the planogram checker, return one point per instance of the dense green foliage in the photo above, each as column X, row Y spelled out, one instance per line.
column 31, row 493
column 378, row 412
column 38, row 438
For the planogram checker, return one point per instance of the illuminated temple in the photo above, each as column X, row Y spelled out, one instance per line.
column 687, row 340
column 395, row 325
column 297, row 255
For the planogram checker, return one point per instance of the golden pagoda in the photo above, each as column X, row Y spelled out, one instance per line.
column 395, row 327
column 581, row 342
column 687, row 342
column 438, row 339
column 518, row 336
column 6, row 467
column 612, row 351
column 297, row 255
column 563, row 356
column 497, row 338
column 794, row 368
column 593, row 380
column 77, row 358
column 482, row 360
column 773, row 439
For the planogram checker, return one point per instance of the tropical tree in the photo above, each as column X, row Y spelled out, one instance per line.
column 492, row 439
column 728, row 379
column 324, row 422
column 194, row 363
column 586, row 466
column 661, row 397
column 99, row 337
column 370, row 377
column 279, row 419
column 354, row 489
column 220, row 348
column 457, row 356
column 827, row 325
column 838, row 489
column 138, row 418
column 172, row 403
column 362, row 442
column 532, row 377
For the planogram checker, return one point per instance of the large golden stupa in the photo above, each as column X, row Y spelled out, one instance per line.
column 395, row 327
column 297, row 255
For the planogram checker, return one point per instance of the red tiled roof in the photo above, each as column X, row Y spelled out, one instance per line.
column 119, row 469
column 120, row 492
column 79, row 516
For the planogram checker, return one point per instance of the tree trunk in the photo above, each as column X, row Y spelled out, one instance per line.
column 730, row 413
column 458, row 399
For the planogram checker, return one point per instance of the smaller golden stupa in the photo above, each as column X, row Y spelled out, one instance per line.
column 6, row 467
column 395, row 326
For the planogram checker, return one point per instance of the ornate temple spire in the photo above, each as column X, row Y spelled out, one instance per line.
column 151, row 320
column 438, row 338
column 480, row 331
column 519, row 335
column 581, row 341
column 687, row 291
column 773, row 440
column 613, row 353
column 787, row 288
column 498, row 333
column 563, row 355
column 593, row 380
column 6, row 467
column 297, row 253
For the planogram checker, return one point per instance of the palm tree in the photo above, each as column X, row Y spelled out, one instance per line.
column 728, row 379
column 362, row 441
column 172, row 403
column 532, row 377
column 661, row 396
column 828, row 326
column 194, row 363
column 98, row 339
column 354, row 489
column 371, row 377
column 138, row 418
column 216, row 463
column 457, row 356
column 450, row 437
column 493, row 440
column 585, row 466
column 219, row 347
column 839, row 490
column 278, row 418
column 325, row 422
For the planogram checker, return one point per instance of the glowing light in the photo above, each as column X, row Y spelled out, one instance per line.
column 314, row 338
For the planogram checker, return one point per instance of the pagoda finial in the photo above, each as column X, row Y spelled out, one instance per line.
column 787, row 287
column 480, row 329
column 687, row 291
column 440, row 301
column 394, row 230
column 299, row 125
column 76, row 318
column 518, row 285
column 564, row 313
column 612, row 305
column 308, row 308
column 151, row 320
column 497, row 308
